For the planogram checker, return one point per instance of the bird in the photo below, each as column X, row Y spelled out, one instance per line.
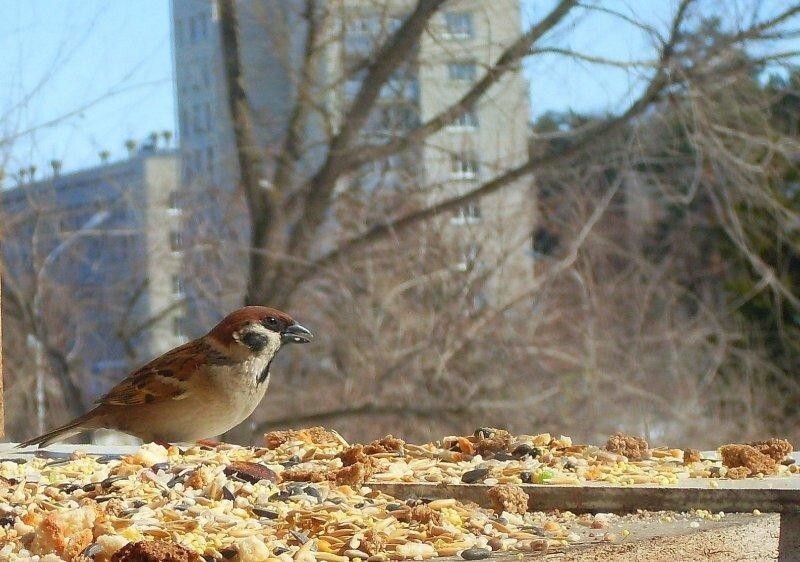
column 195, row 391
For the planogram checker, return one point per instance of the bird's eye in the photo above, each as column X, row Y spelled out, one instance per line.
column 272, row 321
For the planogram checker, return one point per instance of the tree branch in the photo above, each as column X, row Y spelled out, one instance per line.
column 512, row 55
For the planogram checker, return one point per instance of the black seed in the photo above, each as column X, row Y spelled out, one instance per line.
column 7, row 521
column 472, row 476
column 89, row 487
column 92, row 550
column 336, row 501
column 413, row 502
column 229, row 552
column 160, row 466
column 393, row 506
column 525, row 449
column 68, row 488
column 569, row 465
column 313, row 492
column 302, row 538
column 265, row 513
column 105, row 459
column 280, row 550
column 227, row 494
column 788, row 462
column 526, row 477
column 100, row 499
column 359, row 505
column 108, row 482
column 58, row 462
column 484, row 432
column 503, row 456
column 476, row 553
column 138, row 503
column 15, row 461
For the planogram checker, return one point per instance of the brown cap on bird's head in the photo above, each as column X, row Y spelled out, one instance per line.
column 270, row 318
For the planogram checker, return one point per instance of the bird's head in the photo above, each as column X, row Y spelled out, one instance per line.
column 259, row 329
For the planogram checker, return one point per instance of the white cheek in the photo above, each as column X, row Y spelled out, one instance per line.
column 273, row 344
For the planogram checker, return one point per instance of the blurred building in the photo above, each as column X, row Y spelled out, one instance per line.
column 97, row 254
column 465, row 37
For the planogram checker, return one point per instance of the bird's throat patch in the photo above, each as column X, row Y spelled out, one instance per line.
column 264, row 374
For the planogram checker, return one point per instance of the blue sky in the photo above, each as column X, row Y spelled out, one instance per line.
column 81, row 76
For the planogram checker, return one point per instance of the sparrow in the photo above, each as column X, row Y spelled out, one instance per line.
column 198, row 390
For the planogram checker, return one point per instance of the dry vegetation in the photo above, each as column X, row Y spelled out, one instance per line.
column 661, row 299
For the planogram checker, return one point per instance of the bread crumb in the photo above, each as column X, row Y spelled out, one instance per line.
column 65, row 533
column 736, row 455
column 775, row 448
column 317, row 435
column 373, row 542
column 420, row 514
column 690, row 456
column 109, row 544
column 508, row 497
column 630, row 446
column 388, row 444
column 252, row 549
column 359, row 453
column 498, row 440
column 353, row 475
column 353, row 455
column 303, row 475
column 155, row 551
column 738, row 472
column 199, row 478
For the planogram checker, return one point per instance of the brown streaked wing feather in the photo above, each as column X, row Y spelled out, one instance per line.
column 164, row 378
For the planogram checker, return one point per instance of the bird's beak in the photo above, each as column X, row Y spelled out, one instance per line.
column 296, row 334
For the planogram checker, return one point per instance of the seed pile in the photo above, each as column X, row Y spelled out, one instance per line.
column 305, row 496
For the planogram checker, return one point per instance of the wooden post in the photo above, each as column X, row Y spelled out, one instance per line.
column 2, row 409
column 789, row 538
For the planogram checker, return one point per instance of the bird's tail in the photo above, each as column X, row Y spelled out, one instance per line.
column 76, row 426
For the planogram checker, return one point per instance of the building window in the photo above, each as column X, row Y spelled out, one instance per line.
column 207, row 116
column 462, row 71
column 464, row 166
column 210, row 159
column 179, row 32
column 175, row 241
column 173, row 202
column 179, row 327
column 467, row 121
column 177, row 286
column 198, row 118
column 458, row 25
column 467, row 214
column 184, row 124
column 544, row 242
column 469, row 257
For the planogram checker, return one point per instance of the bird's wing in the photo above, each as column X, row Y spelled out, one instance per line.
column 164, row 378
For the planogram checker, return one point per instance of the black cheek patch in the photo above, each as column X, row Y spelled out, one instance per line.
column 255, row 341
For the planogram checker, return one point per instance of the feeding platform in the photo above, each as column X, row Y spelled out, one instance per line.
column 308, row 495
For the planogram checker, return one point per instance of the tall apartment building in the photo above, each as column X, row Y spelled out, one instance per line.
column 99, row 253
column 463, row 39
